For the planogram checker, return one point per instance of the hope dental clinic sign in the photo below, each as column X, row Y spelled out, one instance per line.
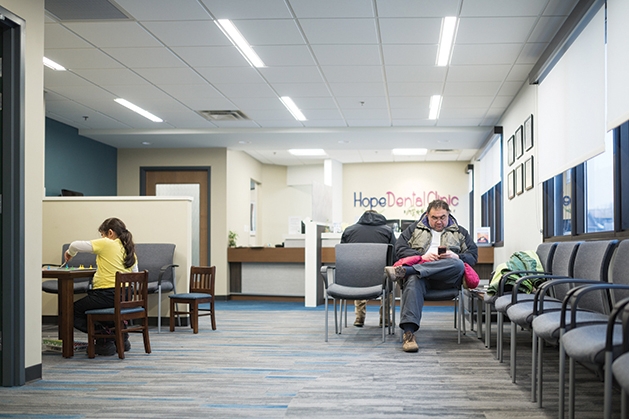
column 390, row 199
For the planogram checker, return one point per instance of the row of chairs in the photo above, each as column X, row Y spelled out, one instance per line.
column 580, row 306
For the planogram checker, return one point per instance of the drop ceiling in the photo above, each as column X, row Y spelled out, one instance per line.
column 361, row 71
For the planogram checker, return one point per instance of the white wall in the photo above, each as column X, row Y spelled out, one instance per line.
column 241, row 169
column 149, row 219
column 32, row 12
column 522, row 214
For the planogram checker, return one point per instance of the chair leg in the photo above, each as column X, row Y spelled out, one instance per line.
column 540, row 370
column 571, row 385
column 562, row 377
column 325, row 301
column 461, row 323
column 608, row 386
column 514, row 331
column 119, row 339
column 194, row 316
column 159, row 309
column 533, row 371
column 145, row 335
column 499, row 336
column 212, row 316
column 172, row 315
column 91, row 351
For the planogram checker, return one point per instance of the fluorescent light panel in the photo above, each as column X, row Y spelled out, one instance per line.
column 435, row 107
column 137, row 109
column 239, row 41
column 51, row 64
column 448, row 28
column 409, row 151
column 292, row 108
column 307, row 152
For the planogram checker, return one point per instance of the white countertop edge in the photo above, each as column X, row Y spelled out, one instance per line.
column 116, row 198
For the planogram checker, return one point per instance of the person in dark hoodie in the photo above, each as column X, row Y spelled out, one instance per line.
column 370, row 228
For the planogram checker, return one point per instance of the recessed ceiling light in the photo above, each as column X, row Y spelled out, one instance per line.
column 448, row 29
column 51, row 64
column 138, row 110
column 307, row 152
column 244, row 142
column 239, row 41
column 409, row 151
column 292, row 108
column 435, row 107
column 145, row 143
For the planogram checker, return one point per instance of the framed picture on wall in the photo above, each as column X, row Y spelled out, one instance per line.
column 528, row 133
column 528, row 174
column 511, row 184
column 511, row 150
column 519, row 186
column 519, row 146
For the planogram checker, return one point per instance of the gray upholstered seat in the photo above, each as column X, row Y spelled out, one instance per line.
column 157, row 258
column 358, row 274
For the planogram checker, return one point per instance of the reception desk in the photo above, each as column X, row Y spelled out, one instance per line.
column 270, row 271
column 279, row 271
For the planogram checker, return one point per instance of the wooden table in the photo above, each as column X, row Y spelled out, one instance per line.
column 65, row 303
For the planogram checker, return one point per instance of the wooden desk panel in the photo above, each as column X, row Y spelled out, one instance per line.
column 275, row 255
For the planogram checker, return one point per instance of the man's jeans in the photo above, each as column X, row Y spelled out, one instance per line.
column 441, row 274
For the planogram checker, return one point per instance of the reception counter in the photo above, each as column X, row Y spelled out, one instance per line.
column 279, row 271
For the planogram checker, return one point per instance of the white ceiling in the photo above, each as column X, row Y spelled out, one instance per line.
column 361, row 71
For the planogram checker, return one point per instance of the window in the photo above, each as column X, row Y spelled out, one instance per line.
column 599, row 190
column 491, row 213
column 563, row 202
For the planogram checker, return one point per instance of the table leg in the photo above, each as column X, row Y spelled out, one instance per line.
column 66, row 316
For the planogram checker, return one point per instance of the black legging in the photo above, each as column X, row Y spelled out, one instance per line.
column 100, row 298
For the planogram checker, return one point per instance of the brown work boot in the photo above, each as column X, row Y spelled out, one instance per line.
column 409, row 344
column 395, row 273
column 359, row 322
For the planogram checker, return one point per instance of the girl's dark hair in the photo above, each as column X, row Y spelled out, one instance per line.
column 125, row 236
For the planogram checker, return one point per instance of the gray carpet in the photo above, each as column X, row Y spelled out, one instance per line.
column 270, row 360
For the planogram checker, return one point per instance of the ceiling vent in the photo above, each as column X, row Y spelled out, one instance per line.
column 65, row 10
column 443, row 151
column 224, row 115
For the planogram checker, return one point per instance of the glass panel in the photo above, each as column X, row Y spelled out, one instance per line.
column 186, row 189
column 563, row 204
column 600, row 190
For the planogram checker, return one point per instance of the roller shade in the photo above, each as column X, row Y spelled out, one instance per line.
column 571, row 104
column 489, row 170
column 617, row 62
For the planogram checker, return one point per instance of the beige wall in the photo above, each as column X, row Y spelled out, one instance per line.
column 129, row 163
column 149, row 219
column 241, row 169
column 32, row 11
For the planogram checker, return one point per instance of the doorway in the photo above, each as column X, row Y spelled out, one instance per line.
column 184, row 181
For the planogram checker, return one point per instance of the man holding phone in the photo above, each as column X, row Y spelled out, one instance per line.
column 444, row 247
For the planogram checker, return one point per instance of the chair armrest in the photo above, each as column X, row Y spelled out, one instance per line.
column 162, row 270
column 324, row 274
column 539, row 295
column 619, row 307
column 516, row 285
column 503, row 279
column 571, row 301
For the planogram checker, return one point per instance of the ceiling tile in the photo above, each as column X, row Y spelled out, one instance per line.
column 471, row 88
column 478, row 72
column 347, row 54
column 301, row 89
column 191, row 91
column 486, row 54
column 58, row 36
column 248, row 103
column 503, row 8
column 358, row 113
column 466, row 102
column 353, row 74
column 559, row 7
column 211, row 56
column 111, row 76
column 339, row 31
column 410, row 30
column 245, row 90
column 74, row 58
column 412, row 102
column 361, row 102
column 415, row 73
column 414, row 8
column 415, row 89
column 270, row 32
column 546, row 28
column 114, row 34
column 145, row 57
column 211, row 104
column 519, row 72
column 489, row 30
column 417, row 55
column 164, row 9
column 324, row 114
column 369, row 122
column 166, row 76
column 63, row 78
column 285, row 55
column 531, row 53
column 316, row 102
column 248, row 9
column 332, row 8
column 304, row 74
column 196, row 33
column 357, row 89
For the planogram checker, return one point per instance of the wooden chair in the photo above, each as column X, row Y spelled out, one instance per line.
column 202, row 280
column 130, row 303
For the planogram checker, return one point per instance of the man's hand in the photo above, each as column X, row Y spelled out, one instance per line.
column 449, row 255
column 431, row 257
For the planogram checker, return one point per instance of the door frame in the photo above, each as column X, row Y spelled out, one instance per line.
column 12, row 365
column 208, row 170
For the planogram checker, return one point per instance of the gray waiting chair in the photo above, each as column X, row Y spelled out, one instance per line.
column 357, row 274
column 157, row 258
column 617, row 367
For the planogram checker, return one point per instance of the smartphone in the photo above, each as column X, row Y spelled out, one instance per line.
column 441, row 250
